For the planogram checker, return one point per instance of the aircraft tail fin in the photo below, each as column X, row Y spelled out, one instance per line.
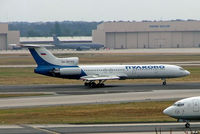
column 56, row 41
column 43, row 57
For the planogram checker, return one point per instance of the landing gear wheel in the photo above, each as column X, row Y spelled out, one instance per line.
column 164, row 83
column 187, row 125
column 86, row 84
column 101, row 85
column 92, row 85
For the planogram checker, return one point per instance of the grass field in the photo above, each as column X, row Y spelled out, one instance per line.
column 102, row 113
column 21, row 95
column 104, row 58
column 18, row 76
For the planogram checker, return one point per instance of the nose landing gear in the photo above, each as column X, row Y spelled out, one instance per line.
column 164, row 82
column 187, row 124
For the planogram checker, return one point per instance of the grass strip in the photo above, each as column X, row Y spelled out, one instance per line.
column 21, row 95
column 83, row 114
column 105, row 58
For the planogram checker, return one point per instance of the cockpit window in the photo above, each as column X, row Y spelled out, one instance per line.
column 179, row 104
column 181, row 68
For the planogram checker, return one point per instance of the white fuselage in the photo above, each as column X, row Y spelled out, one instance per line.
column 136, row 71
column 50, row 65
column 185, row 109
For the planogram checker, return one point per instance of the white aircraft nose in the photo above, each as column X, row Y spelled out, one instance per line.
column 187, row 72
column 168, row 111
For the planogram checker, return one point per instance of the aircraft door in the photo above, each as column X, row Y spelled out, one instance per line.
column 195, row 105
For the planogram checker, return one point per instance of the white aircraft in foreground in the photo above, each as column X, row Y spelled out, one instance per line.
column 185, row 110
column 96, row 75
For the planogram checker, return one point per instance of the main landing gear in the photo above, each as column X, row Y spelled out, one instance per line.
column 92, row 84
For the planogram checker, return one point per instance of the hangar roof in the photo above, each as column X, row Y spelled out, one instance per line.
column 76, row 38
column 149, row 26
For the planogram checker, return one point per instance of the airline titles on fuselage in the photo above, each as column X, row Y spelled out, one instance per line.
column 145, row 67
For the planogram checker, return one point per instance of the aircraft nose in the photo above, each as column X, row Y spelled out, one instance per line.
column 187, row 72
column 168, row 111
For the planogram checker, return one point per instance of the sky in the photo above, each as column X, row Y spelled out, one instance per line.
column 98, row 10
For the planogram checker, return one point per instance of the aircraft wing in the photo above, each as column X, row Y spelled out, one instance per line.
column 99, row 77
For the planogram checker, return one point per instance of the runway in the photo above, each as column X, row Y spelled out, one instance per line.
column 134, row 128
column 79, row 89
column 78, row 94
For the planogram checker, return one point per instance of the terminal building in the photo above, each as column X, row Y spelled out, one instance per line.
column 159, row 34
column 8, row 37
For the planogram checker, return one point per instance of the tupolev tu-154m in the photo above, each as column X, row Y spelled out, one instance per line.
column 96, row 75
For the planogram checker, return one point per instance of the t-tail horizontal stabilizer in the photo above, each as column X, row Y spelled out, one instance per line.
column 43, row 57
column 56, row 41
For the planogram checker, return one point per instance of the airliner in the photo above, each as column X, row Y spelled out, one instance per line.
column 77, row 46
column 185, row 110
column 96, row 75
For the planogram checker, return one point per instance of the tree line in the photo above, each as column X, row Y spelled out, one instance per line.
column 45, row 29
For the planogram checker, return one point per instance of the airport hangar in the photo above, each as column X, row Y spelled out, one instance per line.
column 158, row 34
column 161, row 34
column 8, row 37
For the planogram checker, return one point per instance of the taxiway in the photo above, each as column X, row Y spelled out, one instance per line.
column 143, row 128
column 78, row 94
column 79, row 89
